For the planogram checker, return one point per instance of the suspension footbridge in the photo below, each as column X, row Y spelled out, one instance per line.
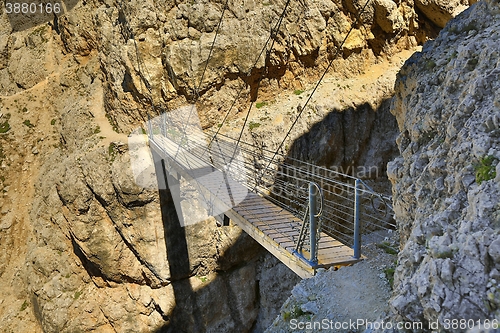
column 309, row 217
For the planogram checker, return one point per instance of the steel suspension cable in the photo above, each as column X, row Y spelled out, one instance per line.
column 273, row 34
column 321, row 78
column 197, row 89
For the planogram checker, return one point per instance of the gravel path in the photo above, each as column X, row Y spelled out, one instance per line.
column 337, row 300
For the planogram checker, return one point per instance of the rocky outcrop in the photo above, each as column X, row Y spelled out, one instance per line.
column 93, row 251
column 162, row 56
column 446, row 185
column 440, row 12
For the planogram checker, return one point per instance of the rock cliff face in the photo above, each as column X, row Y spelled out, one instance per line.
column 83, row 248
column 446, row 184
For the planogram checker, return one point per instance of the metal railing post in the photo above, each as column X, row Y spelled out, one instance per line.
column 312, row 221
column 357, row 237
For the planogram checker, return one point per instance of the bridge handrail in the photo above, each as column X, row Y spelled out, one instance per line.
column 277, row 188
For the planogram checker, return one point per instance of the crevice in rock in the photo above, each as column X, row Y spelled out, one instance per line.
column 153, row 284
column 110, row 321
column 88, row 265
column 99, row 199
column 55, row 24
column 164, row 315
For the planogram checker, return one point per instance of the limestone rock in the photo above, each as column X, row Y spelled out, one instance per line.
column 441, row 11
column 388, row 16
column 102, row 254
column 445, row 195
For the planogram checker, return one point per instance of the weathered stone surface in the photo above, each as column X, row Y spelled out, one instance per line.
column 93, row 251
column 445, row 192
column 388, row 16
column 441, row 11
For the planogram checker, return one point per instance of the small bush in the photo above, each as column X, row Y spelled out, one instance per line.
column 472, row 63
column 430, row 64
column 53, row 122
column 485, row 169
column 253, row 125
column 298, row 92
column 387, row 247
column 112, row 152
column 472, row 25
column 4, row 127
column 260, row 104
column 389, row 274
column 295, row 312
column 24, row 306
column 77, row 295
column 112, row 122
column 28, row 123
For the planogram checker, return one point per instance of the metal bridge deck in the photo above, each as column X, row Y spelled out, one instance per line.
column 273, row 227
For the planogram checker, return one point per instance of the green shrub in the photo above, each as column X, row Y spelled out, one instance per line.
column 430, row 64
column 112, row 152
column 253, row 125
column 389, row 274
column 472, row 25
column 260, row 104
column 485, row 169
column 53, row 122
column 24, row 306
column 4, row 127
column 112, row 122
column 298, row 92
column 472, row 63
column 387, row 247
column 295, row 312
column 28, row 123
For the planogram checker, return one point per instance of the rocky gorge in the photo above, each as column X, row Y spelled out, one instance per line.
column 85, row 249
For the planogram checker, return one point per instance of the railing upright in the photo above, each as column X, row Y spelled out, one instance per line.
column 357, row 239
column 312, row 222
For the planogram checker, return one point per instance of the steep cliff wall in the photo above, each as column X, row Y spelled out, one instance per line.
column 83, row 248
column 446, row 184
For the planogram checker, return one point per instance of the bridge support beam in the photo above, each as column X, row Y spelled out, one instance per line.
column 222, row 220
